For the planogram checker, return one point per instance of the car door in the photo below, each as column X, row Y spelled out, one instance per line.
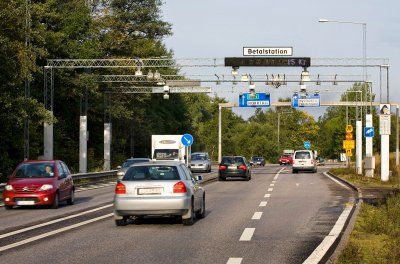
column 194, row 186
column 61, row 181
column 68, row 181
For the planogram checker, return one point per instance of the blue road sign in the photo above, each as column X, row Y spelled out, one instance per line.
column 187, row 140
column 307, row 144
column 254, row 100
column 369, row 132
column 306, row 100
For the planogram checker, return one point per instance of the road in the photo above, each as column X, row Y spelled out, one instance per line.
column 274, row 218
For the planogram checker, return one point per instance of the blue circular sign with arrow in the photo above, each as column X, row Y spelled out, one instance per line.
column 187, row 140
column 307, row 145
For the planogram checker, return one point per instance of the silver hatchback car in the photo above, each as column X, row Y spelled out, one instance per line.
column 159, row 189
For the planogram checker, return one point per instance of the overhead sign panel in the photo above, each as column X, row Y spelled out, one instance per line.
column 268, row 62
column 267, row 51
column 254, row 100
column 306, row 100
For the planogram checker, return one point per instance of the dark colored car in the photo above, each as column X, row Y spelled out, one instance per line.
column 234, row 166
column 320, row 161
column 286, row 160
column 257, row 161
column 39, row 183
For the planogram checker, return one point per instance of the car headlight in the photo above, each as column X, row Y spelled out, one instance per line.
column 46, row 187
column 8, row 187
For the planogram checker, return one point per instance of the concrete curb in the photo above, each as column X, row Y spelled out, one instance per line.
column 329, row 249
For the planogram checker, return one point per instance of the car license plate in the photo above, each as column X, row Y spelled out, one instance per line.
column 232, row 167
column 144, row 191
column 25, row 202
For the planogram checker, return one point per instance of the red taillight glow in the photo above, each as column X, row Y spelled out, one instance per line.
column 120, row 188
column 180, row 187
column 242, row 167
column 222, row 167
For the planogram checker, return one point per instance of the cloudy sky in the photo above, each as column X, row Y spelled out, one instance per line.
column 220, row 28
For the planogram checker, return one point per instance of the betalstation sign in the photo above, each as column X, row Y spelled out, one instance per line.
column 267, row 51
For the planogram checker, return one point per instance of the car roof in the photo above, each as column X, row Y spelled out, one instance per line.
column 199, row 153
column 137, row 159
column 39, row 161
column 158, row 162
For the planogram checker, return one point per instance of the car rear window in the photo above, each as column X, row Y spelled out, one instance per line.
column 232, row 160
column 303, row 155
column 151, row 173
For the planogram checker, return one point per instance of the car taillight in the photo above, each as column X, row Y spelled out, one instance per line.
column 242, row 167
column 180, row 187
column 222, row 167
column 120, row 188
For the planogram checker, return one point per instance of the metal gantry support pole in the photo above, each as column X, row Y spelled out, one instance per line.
column 107, row 132
column 83, row 133
column 397, row 135
column 48, row 103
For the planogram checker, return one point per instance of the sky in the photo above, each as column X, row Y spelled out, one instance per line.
column 221, row 28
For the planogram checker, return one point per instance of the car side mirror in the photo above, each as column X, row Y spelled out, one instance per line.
column 199, row 178
column 119, row 167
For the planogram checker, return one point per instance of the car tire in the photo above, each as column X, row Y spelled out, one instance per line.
column 122, row 222
column 221, row 179
column 189, row 221
column 202, row 212
column 295, row 171
column 8, row 207
column 71, row 199
column 247, row 178
column 56, row 201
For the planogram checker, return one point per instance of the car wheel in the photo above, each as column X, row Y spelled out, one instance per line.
column 8, row 207
column 71, row 199
column 202, row 212
column 122, row 222
column 56, row 201
column 221, row 179
column 294, row 171
column 189, row 221
column 247, row 178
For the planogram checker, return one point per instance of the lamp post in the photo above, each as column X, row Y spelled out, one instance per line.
column 368, row 141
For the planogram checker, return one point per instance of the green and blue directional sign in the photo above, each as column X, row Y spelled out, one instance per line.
column 187, row 140
column 254, row 100
column 369, row 132
column 306, row 100
column 307, row 144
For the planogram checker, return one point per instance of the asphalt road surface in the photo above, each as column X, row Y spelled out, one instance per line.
column 277, row 217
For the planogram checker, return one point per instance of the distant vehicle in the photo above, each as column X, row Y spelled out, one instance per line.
column 125, row 166
column 159, row 188
column 288, row 152
column 200, row 161
column 320, row 161
column 168, row 147
column 35, row 183
column 257, row 161
column 286, row 159
column 234, row 166
column 304, row 160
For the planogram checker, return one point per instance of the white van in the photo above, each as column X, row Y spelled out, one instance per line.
column 304, row 160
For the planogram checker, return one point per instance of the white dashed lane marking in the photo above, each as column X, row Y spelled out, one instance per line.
column 267, row 195
column 272, row 185
column 270, row 189
column 263, row 203
column 247, row 234
column 257, row 216
column 234, row 261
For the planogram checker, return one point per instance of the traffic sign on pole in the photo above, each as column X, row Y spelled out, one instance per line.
column 349, row 129
column 349, row 153
column 307, row 145
column 187, row 140
column 369, row 132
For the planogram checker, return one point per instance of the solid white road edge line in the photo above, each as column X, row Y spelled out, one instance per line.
column 328, row 241
column 277, row 174
column 29, row 240
column 263, row 203
column 247, row 234
column 53, row 221
column 234, row 261
column 257, row 216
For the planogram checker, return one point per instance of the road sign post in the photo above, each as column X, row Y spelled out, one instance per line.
column 384, row 130
column 187, row 140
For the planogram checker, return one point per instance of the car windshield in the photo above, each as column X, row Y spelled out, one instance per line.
column 166, row 154
column 35, row 170
column 199, row 157
column 303, row 155
column 130, row 162
column 149, row 173
column 232, row 160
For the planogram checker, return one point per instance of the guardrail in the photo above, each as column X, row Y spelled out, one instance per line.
column 81, row 176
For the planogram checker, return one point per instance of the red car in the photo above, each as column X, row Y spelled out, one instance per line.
column 39, row 183
column 286, row 159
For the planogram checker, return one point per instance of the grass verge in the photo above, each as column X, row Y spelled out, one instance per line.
column 376, row 234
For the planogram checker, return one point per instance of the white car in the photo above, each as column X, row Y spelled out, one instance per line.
column 304, row 160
